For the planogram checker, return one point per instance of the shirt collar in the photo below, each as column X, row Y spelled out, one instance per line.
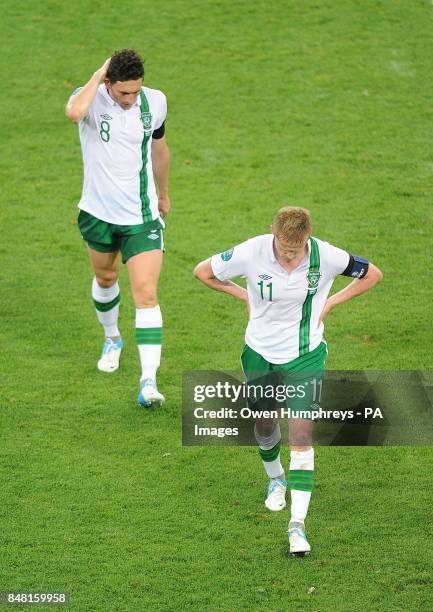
column 272, row 254
column 106, row 95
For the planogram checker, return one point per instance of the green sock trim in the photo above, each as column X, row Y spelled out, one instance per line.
column 148, row 335
column 301, row 487
column 104, row 307
column 270, row 454
column 301, row 480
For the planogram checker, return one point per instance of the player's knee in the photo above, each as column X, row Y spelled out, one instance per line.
column 106, row 278
column 265, row 427
column 300, row 440
column 145, row 297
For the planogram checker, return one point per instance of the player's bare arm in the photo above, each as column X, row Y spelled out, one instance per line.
column 289, row 275
column 161, row 165
column 79, row 104
column 203, row 271
column 355, row 288
column 119, row 206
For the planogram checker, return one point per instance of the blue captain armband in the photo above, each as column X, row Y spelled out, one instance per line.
column 357, row 267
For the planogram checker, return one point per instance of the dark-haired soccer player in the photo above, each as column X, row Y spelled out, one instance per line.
column 289, row 276
column 123, row 203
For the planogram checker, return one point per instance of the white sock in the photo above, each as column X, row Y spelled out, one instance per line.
column 301, row 482
column 269, row 450
column 107, row 307
column 274, row 469
column 148, row 332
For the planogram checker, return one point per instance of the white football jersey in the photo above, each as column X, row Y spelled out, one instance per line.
column 285, row 306
column 118, row 184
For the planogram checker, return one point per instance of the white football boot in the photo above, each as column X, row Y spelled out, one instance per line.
column 149, row 396
column 297, row 539
column 110, row 357
column 276, row 499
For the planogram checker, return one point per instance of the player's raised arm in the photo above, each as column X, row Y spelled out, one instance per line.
column 355, row 288
column 204, row 272
column 79, row 103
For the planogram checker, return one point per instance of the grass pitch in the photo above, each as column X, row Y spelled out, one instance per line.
column 326, row 105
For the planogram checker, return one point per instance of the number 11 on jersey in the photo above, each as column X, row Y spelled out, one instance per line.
column 262, row 291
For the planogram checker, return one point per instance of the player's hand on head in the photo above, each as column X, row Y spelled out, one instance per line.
column 163, row 205
column 104, row 68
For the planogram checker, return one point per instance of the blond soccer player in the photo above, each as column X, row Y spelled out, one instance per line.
column 289, row 276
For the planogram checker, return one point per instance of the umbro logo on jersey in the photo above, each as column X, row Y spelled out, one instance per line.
column 106, row 117
column 153, row 236
column 265, row 277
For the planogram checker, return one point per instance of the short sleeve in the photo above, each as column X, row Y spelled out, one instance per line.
column 336, row 260
column 76, row 90
column 86, row 117
column 162, row 110
column 231, row 263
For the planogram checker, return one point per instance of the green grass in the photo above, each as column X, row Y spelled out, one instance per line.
column 323, row 104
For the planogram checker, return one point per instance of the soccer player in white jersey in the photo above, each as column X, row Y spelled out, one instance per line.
column 289, row 276
column 123, row 203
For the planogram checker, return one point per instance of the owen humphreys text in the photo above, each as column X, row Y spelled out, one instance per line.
column 280, row 393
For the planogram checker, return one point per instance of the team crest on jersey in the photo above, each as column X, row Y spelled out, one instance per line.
column 227, row 255
column 146, row 120
column 313, row 278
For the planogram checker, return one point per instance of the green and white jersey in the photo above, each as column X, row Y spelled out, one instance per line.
column 118, row 185
column 285, row 307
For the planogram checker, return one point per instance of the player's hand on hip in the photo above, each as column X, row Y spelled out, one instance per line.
column 163, row 205
column 326, row 310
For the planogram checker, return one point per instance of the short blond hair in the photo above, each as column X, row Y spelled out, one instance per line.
column 292, row 223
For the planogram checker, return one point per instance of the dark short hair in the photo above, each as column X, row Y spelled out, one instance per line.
column 125, row 65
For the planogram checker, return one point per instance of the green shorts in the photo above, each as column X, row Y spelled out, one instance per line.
column 299, row 381
column 129, row 239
